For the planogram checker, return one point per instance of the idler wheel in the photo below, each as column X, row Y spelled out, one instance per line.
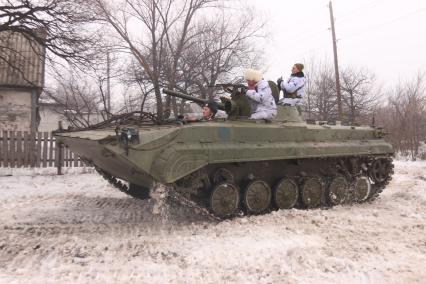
column 362, row 188
column 225, row 200
column 312, row 192
column 338, row 190
column 379, row 170
column 257, row 197
column 286, row 193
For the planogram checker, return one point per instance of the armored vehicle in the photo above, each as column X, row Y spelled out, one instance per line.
column 238, row 165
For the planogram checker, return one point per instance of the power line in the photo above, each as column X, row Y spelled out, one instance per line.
column 347, row 15
column 308, row 35
column 315, row 34
column 375, row 27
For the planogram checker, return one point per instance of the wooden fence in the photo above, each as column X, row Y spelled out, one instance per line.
column 34, row 149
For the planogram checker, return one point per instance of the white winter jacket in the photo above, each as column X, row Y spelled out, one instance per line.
column 291, row 85
column 262, row 102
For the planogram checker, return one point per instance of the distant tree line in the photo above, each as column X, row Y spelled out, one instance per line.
column 401, row 110
column 404, row 116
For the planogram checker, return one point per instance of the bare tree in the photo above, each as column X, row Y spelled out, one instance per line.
column 223, row 46
column 138, row 87
column 59, row 26
column 405, row 116
column 359, row 92
column 166, row 29
column 79, row 101
column 320, row 101
column 176, row 46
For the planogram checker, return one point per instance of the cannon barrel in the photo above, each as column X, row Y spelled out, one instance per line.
column 184, row 96
column 191, row 98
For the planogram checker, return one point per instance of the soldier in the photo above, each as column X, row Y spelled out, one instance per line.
column 294, row 87
column 209, row 111
column 262, row 102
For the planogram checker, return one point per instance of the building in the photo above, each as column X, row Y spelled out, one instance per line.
column 51, row 113
column 50, row 116
column 22, row 64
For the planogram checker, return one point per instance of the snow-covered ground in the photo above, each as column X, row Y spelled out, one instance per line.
column 76, row 228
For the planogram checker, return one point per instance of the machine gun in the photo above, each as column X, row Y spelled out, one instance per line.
column 231, row 106
column 237, row 90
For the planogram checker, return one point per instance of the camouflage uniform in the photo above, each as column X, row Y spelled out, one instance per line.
column 262, row 102
column 294, row 89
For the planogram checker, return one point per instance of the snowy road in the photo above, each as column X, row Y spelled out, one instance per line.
column 77, row 229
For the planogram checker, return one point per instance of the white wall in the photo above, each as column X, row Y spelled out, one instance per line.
column 15, row 110
column 49, row 119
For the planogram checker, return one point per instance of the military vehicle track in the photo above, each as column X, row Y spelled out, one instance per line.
column 171, row 195
column 223, row 191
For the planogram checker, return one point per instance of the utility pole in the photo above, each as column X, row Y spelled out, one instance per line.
column 108, row 99
column 336, row 64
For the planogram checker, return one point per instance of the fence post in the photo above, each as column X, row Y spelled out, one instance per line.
column 5, row 149
column 26, row 146
column 59, row 158
column 32, row 149
column 12, row 149
column 45, row 148
column 59, row 152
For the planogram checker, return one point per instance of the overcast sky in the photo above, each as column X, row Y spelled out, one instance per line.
column 386, row 36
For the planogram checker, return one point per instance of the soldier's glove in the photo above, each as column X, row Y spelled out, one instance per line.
column 279, row 81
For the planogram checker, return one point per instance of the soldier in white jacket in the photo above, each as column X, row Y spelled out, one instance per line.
column 293, row 87
column 260, row 94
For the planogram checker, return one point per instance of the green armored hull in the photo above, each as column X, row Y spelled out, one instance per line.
column 253, row 166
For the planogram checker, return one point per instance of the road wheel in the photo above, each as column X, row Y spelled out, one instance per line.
column 286, row 193
column 225, row 200
column 312, row 192
column 338, row 190
column 257, row 197
column 361, row 188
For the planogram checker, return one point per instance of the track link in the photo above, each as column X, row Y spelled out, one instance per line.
column 171, row 195
column 174, row 196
